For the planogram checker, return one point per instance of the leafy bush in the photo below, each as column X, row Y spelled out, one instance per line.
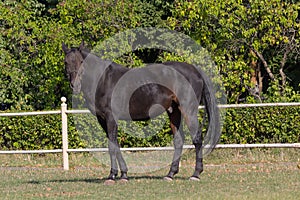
column 261, row 125
column 31, row 64
column 241, row 125
column 35, row 132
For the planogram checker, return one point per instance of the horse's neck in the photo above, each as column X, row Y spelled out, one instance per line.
column 94, row 68
column 85, row 53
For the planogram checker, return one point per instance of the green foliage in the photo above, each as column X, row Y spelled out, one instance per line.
column 235, row 33
column 261, row 125
column 31, row 60
column 238, row 32
column 35, row 132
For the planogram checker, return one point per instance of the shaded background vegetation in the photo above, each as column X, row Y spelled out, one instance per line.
column 255, row 45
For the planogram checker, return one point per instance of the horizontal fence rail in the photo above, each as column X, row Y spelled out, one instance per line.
column 220, row 106
column 16, row 114
column 132, row 149
column 65, row 150
column 257, row 105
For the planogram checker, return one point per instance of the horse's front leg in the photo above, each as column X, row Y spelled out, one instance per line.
column 115, row 153
column 112, row 149
column 122, row 165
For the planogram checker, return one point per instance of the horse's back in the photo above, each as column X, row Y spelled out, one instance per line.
column 190, row 73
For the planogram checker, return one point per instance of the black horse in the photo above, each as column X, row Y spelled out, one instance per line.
column 114, row 92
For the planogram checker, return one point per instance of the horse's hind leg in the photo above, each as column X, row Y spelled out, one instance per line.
column 175, row 120
column 197, row 141
column 199, row 157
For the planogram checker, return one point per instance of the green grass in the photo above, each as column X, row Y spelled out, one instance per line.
column 229, row 174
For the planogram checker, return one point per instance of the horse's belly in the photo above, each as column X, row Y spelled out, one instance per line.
column 138, row 113
column 148, row 102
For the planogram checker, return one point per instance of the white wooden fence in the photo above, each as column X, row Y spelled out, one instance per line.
column 65, row 150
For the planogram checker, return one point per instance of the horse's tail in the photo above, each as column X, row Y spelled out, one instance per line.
column 213, row 133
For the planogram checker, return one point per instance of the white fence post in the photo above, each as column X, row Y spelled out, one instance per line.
column 64, row 120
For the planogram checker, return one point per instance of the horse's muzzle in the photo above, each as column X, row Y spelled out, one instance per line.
column 75, row 88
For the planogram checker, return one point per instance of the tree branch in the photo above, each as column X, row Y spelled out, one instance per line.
column 282, row 64
column 261, row 57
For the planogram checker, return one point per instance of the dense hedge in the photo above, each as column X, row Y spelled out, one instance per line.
column 242, row 37
column 262, row 125
column 242, row 125
column 34, row 132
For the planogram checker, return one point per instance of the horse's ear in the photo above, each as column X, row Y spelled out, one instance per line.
column 65, row 48
column 81, row 47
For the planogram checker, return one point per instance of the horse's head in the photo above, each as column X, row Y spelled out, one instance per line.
column 73, row 61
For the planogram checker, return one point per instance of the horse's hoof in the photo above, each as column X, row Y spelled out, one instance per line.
column 194, row 178
column 109, row 182
column 124, row 180
column 168, row 178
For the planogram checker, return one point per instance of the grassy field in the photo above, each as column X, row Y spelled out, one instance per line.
column 229, row 174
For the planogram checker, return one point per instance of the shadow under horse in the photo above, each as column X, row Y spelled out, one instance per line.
column 114, row 92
